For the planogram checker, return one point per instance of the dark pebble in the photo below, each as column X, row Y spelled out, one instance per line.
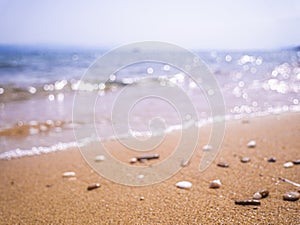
column 272, row 160
column 148, row 157
column 245, row 159
column 93, row 186
column 223, row 164
column 247, row 202
column 291, row 196
column 296, row 162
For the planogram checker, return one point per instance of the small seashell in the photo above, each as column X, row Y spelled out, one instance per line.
column 288, row 164
column 100, row 158
column 133, row 160
column 296, row 162
column 184, row 163
column 223, row 164
column 272, row 160
column 207, row 147
column 245, row 159
column 291, row 196
column 141, row 176
column 93, row 186
column 261, row 194
column 251, row 144
column 69, row 174
column 257, row 196
column 247, row 202
column 215, row 184
column 184, row 184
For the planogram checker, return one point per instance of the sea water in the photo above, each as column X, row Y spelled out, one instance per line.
column 38, row 86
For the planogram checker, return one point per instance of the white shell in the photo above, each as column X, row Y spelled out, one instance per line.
column 184, row 184
column 251, row 144
column 141, row 176
column 257, row 196
column 100, row 158
column 288, row 165
column 69, row 174
column 215, row 184
column 207, row 147
column 133, row 160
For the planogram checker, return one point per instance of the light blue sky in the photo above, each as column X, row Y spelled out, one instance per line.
column 211, row 24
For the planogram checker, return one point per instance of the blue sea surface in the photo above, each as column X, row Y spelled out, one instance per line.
column 38, row 85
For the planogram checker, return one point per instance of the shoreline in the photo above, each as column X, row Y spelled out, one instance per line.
column 34, row 191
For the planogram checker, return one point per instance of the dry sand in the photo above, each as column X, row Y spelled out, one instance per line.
column 34, row 192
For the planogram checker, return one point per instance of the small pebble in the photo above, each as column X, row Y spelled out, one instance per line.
column 296, row 162
column 257, row 196
column 261, row 194
column 247, row 202
column 100, row 158
column 142, row 198
column 69, row 174
column 148, row 157
column 223, row 164
column 184, row 163
column 251, row 144
column 272, row 160
column 291, row 196
column 133, row 160
column 215, row 184
column 141, row 176
column 207, row 147
column 245, row 159
column 184, row 184
column 93, row 186
column 288, row 164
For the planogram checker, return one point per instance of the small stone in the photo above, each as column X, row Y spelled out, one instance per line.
column 247, row 202
column 69, row 174
column 288, row 164
column 100, row 158
column 147, row 157
column 291, row 196
column 245, row 159
column 223, row 164
column 296, row 162
column 251, row 144
column 261, row 194
column 215, row 184
column 207, row 147
column 184, row 184
column 133, row 160
column 257, row 196
column 141, row 176
column 93, row 186
column 272, row 160
column 184, row 163
column 142, row 198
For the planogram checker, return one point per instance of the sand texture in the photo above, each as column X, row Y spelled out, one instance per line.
column 33, row 191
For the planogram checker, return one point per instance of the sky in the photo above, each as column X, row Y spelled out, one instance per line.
column 196, row 24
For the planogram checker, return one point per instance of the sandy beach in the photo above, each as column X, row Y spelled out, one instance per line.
column 33, row 190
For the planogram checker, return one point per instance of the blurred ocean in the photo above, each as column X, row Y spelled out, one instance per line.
column 38, row 84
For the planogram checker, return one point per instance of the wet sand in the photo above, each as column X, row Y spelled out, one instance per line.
column 33, row 190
